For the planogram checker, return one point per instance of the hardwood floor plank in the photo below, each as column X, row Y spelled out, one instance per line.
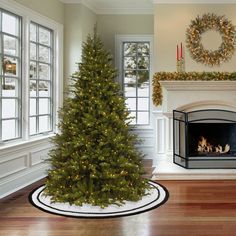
column 194, row 208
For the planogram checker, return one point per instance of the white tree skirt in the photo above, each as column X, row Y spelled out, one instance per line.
column 157, row 196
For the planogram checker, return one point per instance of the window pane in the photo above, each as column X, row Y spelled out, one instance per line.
column 143, row 63
column 44, row 71
column 10, row 24
column 143, row 76
column 32, row 106
column 132, row 115
column 32, row 125
column 10, row 66
column 41, row 79
column 9, row 87
column 130, row 49
column 33, row 51
column 44, row 36
column 44, row 107
column 130, row 77
column 44, row 54
column 33, row 32
column 8, row 108
column 10, row 71
column 44, row 123
column 143, row 49
column 136, row 81
column 143, row 90
column 10, row 45
column 143, row 104
column 44, row 89
column 33, row 88
column 131, row 103
column 130, row 63
column 33, row 70
column 9, row 129
column 143, row 118
column 130, row 90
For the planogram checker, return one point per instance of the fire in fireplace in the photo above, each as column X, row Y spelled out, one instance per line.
column 204, row 147
column 205, row 139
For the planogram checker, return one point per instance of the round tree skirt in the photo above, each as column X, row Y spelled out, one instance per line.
column 157, row 196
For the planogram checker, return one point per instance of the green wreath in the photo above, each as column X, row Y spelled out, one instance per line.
column 211, row 22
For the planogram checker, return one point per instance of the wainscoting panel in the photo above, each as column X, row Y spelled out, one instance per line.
column 39, row 156
column 13, row 165
column 147, row 142
column 23, row 164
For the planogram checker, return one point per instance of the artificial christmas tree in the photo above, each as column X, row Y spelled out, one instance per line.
column 95, row 160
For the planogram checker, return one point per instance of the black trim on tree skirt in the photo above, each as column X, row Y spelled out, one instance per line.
column 157, row 196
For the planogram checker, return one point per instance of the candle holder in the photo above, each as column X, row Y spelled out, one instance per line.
column 180, row 65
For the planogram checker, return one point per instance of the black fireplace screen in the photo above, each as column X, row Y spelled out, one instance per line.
column 205, row 139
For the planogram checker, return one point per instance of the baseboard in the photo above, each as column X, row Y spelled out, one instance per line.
column 169, row 171
column 22, row 180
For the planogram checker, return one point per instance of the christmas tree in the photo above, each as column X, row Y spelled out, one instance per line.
column 94, row 160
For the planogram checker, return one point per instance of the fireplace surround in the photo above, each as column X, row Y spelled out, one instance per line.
column 188, row 97
column 204, row 139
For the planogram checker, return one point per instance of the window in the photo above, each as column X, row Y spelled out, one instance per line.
column 41, row 77
column 31, row 69
column 135, row 71
column 10, row 76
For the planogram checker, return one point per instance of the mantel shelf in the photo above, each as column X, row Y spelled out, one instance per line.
column 189, row 85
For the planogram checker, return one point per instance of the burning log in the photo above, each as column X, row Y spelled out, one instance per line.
column 206, row 147
column 220, row 150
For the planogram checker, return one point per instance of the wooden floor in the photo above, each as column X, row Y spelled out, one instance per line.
column 194, row 208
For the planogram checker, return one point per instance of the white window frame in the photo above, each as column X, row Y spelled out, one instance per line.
column 50, row 81
column 17, row 77
column 29, row 16
column 119, row 40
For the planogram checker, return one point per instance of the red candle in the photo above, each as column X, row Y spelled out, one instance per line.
column 177, row 53
column 181, row 51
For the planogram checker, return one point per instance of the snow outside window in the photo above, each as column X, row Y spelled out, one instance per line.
column 10, row 76
column 135, row 80
column 31, row 75
column 41, row 79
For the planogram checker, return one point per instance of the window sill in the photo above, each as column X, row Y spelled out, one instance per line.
column 21, row 144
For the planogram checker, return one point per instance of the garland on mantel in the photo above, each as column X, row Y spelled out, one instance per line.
column 191, row 76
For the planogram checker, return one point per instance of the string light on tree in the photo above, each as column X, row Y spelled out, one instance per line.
column 95, row 156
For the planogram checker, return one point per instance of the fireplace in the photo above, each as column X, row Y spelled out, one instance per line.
column 217, row 100
column 204, row 139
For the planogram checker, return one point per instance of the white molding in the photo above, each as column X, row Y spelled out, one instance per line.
column 14, row 148
column 166, row 170
column 22, row 179
column 194, row 1
column 199, row 85
column 126, row 11
column 17, row 167
column 115, row 7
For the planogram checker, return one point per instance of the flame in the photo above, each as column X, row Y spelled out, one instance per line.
column 205, row 147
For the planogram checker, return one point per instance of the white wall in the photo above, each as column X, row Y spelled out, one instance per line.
column 53, row 9
column 79, row 22
column 170, row 24
column 111, row 25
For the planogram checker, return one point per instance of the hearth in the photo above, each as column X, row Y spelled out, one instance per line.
column 204, row 139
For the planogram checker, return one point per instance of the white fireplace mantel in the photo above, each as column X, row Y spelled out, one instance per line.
column 188, row 96
column 198, row 85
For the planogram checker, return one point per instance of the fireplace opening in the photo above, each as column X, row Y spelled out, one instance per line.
column 205, row 138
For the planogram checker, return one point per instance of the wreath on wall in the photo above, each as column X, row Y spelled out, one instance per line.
column 211, row 22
